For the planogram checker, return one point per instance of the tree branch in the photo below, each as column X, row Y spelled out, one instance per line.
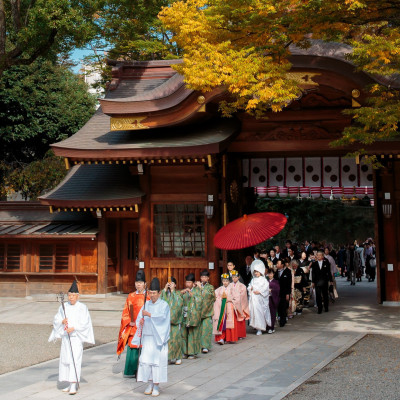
column 3, row 31
column 32, row 3
column 16, row 16
column 37, row 53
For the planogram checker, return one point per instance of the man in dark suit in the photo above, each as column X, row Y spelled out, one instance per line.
column 307, row 247
column 245, row 271
column 321, row 279
column 285, row 252
column 284, row 277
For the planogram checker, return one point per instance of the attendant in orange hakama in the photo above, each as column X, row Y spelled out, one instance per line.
column 224, row 320
column 240, row 303
column 133, row 304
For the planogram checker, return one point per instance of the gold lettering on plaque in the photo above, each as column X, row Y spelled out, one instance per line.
column 127, row 123
column 303, row 78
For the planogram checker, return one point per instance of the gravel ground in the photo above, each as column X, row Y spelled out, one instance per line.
column 25, row 345
column 368, row 370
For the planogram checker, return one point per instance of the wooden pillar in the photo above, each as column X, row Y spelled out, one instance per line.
column 118, row 272
column 102, row 257
column 145, row 224
column 388, row 231
column 224, row 208
column 213, row 224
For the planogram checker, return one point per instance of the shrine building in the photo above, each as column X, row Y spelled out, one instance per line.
column 157, row 171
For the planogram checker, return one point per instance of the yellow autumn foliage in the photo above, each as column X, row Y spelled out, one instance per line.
column 244, row 47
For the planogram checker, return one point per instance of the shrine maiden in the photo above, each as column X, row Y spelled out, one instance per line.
column 224, row 319
column 240, row 303
column 77, row 323
column 153, row 330
column 259, row 298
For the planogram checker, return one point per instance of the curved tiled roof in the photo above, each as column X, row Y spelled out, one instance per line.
column 96, row 185
column 340, row 52
column 188, row 140
column 169, row 85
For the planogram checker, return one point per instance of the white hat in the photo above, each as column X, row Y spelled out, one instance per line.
column 257, row 265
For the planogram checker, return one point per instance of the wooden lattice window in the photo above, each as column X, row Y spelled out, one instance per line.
column 179, row 230
column 10, row 256
column 53, row 257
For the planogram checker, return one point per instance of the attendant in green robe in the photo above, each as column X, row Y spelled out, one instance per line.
column 175, row 303
column 191, row 325
column 207, row 311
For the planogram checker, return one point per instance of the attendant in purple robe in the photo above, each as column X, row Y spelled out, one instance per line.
column 273, row 299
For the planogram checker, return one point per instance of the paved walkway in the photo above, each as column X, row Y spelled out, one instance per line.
column 266, row 367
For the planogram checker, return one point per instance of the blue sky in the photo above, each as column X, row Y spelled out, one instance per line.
column 77, row 56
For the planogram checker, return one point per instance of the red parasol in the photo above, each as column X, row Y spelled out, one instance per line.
column 249, row 230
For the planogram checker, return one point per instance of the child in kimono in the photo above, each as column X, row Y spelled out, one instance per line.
column 240, row 302
column 224, row 319
column 258, row 290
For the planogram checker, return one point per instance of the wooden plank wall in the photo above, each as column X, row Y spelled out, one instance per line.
column 83, row 256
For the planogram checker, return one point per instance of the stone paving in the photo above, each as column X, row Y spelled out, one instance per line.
column 259, row 367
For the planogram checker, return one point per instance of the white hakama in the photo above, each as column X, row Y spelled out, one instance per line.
column 260, row 315
column 153, row 359
column 79, row 318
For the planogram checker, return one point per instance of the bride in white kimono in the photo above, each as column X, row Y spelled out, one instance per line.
column 154, row 331
column 76, row 321
column 258, row 289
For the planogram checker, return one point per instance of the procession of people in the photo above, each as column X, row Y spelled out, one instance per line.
column 161, row 327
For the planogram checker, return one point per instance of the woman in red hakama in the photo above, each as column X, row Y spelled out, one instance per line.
column 240, row 303
column 225, row 326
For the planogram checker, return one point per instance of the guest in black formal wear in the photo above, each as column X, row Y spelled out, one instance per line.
column 291, row 255
column 272, row 256
column 278, row 254
column 321, row 279
column 285, row 252
column 245, row 271
column 307, row 247
column 284, row 276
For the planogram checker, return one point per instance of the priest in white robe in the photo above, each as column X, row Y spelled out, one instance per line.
column 153, row 335
column 74, row 320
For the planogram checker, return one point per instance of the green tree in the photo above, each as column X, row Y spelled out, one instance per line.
column 33, row 179
column 321, row 220
column 30, row 29
column 40, row 104
column 132, row 31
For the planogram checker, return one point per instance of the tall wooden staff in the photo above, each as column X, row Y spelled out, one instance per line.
column 169, row 276
column 60, row 298
column 141, row 334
